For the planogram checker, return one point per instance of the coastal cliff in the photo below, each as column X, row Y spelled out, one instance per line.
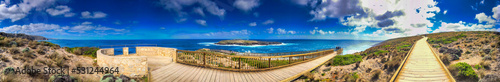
column 246, row 42
column 23, row 36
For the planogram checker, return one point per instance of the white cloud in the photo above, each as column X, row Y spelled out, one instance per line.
column 94, row 15
column 281, row 31
column 335, row 9
column 69, row 14
column 15, row 12
column 462, row 26
column 481, row 17
column 397, row 17
column 496, row 12
column 58, row 10
column 270, row 21
column 246, row 5
column 53, row 29
column 35, row 29
column 162, row 28
column 270, row 30
column 201, row 22
column 86, row 23
column 331, row 32
column 253, row 24
column 312, row 31
column 199, row 11
column 445, row 11
column 224, row 33
column 178, row 5
column 320, row 31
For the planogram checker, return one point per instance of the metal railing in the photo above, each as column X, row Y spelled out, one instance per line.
column 245, row 63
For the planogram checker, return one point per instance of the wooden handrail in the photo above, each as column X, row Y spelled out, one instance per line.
column 441, row 63
column 296, row 55
column 393, row 78
column 245, row 63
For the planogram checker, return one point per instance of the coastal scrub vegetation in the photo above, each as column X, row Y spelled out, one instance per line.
column 477, row 49
column 346, row 59
column 463, row 71
column 86, row 51
column 19, row 50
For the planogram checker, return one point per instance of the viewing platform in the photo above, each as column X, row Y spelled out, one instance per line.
column 162, row 64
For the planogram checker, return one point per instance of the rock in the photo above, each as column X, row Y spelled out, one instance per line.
column 490, row 78
column 124, row 78
column 111, row 78
column 62, row 78
column 455, row 53
column 245, row 42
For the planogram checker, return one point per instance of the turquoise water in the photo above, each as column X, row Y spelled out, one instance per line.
column 289, row 45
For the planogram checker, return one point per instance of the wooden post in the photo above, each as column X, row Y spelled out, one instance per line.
column 269, row 62
column 303, row 58
column 239, row 63
column 289, row 60
column 204, row 54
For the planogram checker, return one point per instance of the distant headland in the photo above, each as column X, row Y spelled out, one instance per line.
column 245, row 42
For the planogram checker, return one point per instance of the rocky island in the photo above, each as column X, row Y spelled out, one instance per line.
column 246, row 42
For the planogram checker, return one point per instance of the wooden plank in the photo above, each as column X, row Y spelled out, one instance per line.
column 166, row 72
column 198, row 75
column 177, row 74
column 189, row 74
column 169, row 73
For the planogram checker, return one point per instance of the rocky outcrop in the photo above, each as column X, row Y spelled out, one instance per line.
column 25, row 36
column 246, row 42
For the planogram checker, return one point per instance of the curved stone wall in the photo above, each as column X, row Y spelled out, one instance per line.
column 133, row 66
column 156, row 51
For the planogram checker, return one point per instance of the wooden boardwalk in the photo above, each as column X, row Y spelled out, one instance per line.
column 176, row 72
column 422, row 65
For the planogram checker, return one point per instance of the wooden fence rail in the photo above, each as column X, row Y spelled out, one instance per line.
column 245, row 63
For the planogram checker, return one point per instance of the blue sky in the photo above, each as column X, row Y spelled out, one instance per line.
column 245, row 19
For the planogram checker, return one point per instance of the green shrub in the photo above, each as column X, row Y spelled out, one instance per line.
column 463, row 70
column 232, row 54
column 261, row 63
column 13, row 43
column 380, row 52
column 352, row 77
column 8, row 70
column 346, row 59
column 387, row 46
column 26, row 50
column 403, row 46
column 88, row 51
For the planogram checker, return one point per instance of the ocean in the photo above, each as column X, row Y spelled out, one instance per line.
column 289, row 45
